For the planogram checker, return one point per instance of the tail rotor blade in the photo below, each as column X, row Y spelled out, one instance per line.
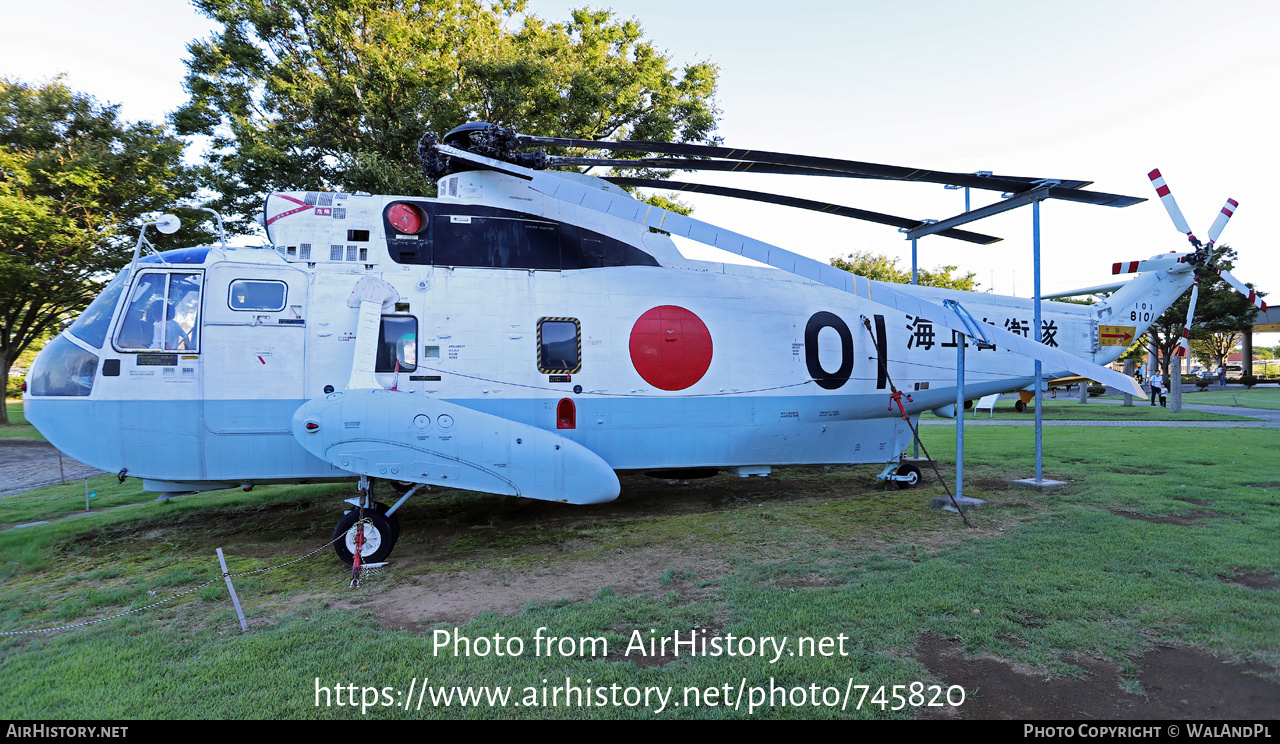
column 1243, row 289
column 1227, row 210
column 1171, row 206
column 1184, row 345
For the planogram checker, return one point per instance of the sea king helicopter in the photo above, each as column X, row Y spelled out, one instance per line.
column 533, row 332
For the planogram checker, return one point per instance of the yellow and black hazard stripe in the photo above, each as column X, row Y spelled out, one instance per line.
column 565, row 366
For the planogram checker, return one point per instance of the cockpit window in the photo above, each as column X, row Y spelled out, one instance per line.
column 62, row 368
column 92, row 325
column 163, row 313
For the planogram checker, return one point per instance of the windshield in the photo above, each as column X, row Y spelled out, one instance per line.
column 163, row 313
column 91, row 327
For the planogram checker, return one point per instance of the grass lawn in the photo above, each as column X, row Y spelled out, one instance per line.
column 1256, row 397
column 17, row 428
column 1132, row 554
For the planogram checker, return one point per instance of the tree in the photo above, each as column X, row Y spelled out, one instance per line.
column 73, row 177
column 335, row 94
column 1219, row 309
column 882, row 268
column 1215, row 346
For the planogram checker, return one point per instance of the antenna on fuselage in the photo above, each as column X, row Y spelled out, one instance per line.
column 222, row 235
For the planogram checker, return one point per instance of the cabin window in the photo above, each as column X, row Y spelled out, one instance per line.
column 94, row 323
column 163, row 313
column 253, row 294
column 397, row 344
column 559, row 345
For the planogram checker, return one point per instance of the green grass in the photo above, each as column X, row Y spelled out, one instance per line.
column 17, row 428
column 1052, row 575
column 1255, row 397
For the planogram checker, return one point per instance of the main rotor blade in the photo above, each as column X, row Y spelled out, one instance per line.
column 749, row 166
column 870, row 170
column 790, row 201
column 886, row 295
column 1093, row 197
column 735, row 166
column 1171, row 206
column 1228, row 209
column 1160, row 263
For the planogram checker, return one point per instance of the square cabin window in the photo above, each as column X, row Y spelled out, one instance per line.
column 559, row 345
column 255, row 294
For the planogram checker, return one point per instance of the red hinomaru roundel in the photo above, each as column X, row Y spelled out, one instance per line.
column 670, row 347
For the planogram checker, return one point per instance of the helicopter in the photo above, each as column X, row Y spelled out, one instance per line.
column 534, row 332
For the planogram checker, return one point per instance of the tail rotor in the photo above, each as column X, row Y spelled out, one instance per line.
column 1203, row 258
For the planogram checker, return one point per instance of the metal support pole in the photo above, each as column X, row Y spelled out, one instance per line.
column 1128, row 371
column 1035, row 227
column 913, row 261
column 960, row 416
column 915, row 445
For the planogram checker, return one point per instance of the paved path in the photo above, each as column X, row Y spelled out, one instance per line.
column 26, row 464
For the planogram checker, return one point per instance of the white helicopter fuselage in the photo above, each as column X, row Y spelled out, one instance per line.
column 626, row 349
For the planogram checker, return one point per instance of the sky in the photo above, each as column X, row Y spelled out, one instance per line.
column 1094, row 90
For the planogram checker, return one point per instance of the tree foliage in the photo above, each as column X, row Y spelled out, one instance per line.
column 884, row 269
column 1215, row 346
column 335, row 94
column 73, row 177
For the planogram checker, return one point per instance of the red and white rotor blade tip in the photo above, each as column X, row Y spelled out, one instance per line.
column 1227, row 210
column 1243, row 289
column 1184, row 344
column 1170, row 206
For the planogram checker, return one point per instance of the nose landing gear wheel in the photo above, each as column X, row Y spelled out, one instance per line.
column 379, row 537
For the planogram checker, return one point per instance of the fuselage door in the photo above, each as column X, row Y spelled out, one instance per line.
column 255, row 330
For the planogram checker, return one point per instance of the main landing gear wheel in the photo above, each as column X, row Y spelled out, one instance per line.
column 379, row 537
column 1019, row 406
column 393, row 520
column 912, row 474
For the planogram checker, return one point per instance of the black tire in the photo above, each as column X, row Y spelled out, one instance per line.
column 399, row 487
column 378, row 534
column 913, row 476
column 393, row 520
column 1019, row 406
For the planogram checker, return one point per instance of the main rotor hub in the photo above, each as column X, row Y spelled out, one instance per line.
column 481, row 138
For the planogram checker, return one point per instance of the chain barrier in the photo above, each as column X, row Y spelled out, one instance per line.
column 196, row 588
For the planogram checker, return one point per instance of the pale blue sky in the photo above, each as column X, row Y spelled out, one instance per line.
column 1095, row 90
